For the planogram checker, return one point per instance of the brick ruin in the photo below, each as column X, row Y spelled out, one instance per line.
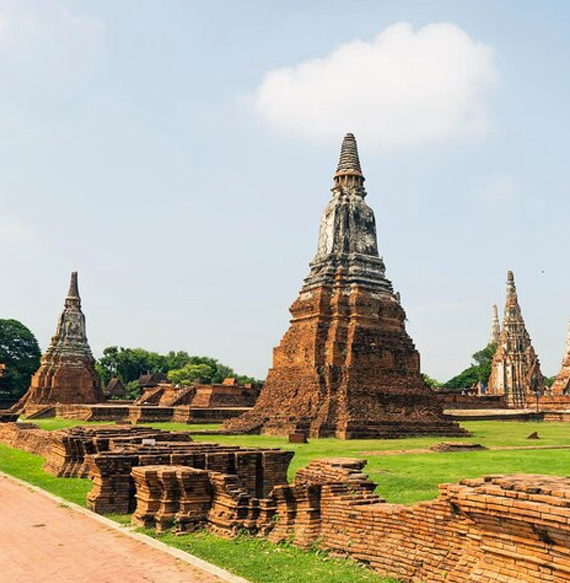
column 67, row 372
column 515, row 372
column 496, row 529
column 503, row 529
column 346, row 366
column 226, row 394
column 108, row 455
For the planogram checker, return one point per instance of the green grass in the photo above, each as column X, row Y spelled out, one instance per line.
column 403, row 478
column 411, row 478
column 28, row 467
column 263, row 562
column 58, row 423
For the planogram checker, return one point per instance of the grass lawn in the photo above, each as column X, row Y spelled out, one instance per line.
column 58, row 423
column 401, row 478
column 263, row 562
column 28, row 467
column 414, row 477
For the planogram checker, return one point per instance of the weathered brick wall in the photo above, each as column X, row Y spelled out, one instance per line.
column 454, row 400
column 497, row 529
column 552, row 403
column 25, row 436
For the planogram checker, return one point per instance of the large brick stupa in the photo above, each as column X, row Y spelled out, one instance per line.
column 67, row 372
column 346, row 367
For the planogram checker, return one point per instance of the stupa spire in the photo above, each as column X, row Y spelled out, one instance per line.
column 512, row 298
column 348, row 246
column 349, row 171
column 67, row 372
column 346, row 366
column 495, row 327
column 515, row 372
column 73, row 293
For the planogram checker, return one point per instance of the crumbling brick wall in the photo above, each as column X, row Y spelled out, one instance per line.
column 497, row 529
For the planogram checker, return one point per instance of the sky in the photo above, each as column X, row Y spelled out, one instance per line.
column 179, row 154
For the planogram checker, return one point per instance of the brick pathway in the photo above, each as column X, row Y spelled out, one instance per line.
column 43, row 542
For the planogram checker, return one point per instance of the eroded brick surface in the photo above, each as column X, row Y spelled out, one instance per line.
column 346, row 366
column 67, row 372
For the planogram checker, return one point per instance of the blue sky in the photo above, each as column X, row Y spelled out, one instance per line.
column 161, row 149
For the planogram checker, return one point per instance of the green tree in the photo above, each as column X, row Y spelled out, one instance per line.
column 484, row 361
column 548, row 381
column 478, row 372
column 20, row 353
column 128, row 363
column 431, row 382
column 190, row 373
column 464, row 380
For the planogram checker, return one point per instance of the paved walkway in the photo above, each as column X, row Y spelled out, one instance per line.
column 43, row 542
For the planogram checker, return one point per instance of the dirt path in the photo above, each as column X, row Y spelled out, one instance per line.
column 43, row 542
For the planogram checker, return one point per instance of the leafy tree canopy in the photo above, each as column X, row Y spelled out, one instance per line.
column 431, row 382
column 478, row 372
column 20, row 353
column 130, row 363
column 548, row 381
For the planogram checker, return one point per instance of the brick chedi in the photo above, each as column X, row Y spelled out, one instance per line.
column 346, row 367
column 67, row 372
column 515, row 372
column 561, row 384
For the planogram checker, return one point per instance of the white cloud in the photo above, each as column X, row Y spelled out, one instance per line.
column 498, row 190
column 403, row 88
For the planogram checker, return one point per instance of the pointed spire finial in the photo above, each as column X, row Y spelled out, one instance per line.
column 73, row 293
column 348, row 171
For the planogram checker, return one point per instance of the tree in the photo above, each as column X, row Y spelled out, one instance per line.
column 431, row 382
column 190, row 373
column 484, row 362
column 20, row 353
column 548, row 381
column 464, row 380
column 128, row 363
column 478, row 372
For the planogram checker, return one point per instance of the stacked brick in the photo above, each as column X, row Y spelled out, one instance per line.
column 170, row 496
column 503, row 529
column 256, row 471
column 497, row 529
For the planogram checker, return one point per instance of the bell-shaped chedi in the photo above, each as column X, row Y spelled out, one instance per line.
column 346, row 367
column 515, row 372
column 67, row 372
column 561, row 384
